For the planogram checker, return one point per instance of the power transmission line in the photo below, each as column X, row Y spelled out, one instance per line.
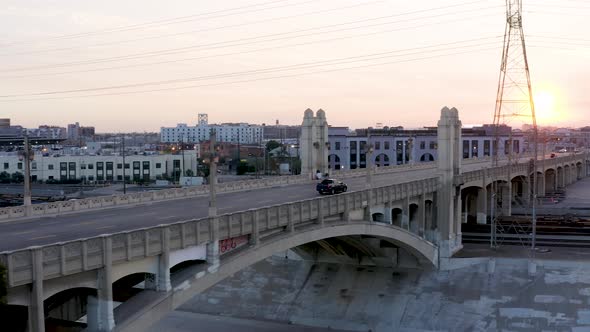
column 454, row 20
column 259, row 79
column 305, row 64
column 161, row 22
column 220, row 44
column 118, row 42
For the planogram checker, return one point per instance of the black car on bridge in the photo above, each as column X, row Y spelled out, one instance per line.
column 331, row 186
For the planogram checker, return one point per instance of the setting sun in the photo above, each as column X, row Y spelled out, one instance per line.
column 547, row 108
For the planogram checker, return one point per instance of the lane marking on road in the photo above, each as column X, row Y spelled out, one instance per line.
column 105, row 226
column 25, row 232
column 167, row 217
column 84, row 223
column 145, row 214
column 42, row 237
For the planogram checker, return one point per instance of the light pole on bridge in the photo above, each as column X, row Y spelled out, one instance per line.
column 213, row 246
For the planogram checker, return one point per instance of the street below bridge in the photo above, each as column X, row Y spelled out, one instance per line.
column 46, row 230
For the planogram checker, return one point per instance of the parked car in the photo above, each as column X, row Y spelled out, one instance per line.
column 553, row 155
column 331, row 186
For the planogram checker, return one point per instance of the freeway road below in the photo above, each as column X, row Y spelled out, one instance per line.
column 46, row 230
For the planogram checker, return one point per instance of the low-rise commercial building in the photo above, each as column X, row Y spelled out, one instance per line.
column 102, row 168
column 395, row 146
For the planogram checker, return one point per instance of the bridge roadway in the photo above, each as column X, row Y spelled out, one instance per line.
column 46, row 230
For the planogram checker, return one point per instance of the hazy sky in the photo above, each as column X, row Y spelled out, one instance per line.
column 363, row 62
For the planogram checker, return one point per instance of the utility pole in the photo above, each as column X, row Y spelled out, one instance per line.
column 212, row 176
column 27, row 157
column 182, row 152
column 124, row 164
column 213, row 246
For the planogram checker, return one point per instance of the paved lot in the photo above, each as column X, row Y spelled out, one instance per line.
column 182, row 321
column 376, row 299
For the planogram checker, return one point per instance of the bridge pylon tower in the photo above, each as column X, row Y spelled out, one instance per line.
column 514, row 101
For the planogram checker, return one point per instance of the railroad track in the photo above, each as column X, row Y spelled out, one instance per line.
column 551, row 232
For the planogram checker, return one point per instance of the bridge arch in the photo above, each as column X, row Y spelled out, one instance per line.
column 379, row 217
column 396, row 216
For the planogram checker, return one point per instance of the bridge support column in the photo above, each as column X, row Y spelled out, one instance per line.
column 100, row 310
column 291, row 216
column 163, row 278
column 541, row 184
column 448, row 197
column 506, row 190
column 387, row 215
column 406, row 213
column 421, row 215
column 213, row 245
column 346, row 213
column 482, row 202
column 458, row 219
column 321, row 212
column 255, row 237
column 561, row 178
column 36, row 320
column 526, row 190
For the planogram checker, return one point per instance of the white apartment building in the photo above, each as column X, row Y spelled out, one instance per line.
column 101, row 168
column 240, row 132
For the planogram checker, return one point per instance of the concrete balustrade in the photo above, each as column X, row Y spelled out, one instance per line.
column 86, row 204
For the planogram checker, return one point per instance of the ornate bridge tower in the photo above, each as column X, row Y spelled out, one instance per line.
column 314, row 143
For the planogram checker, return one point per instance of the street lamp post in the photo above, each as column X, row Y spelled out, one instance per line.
column 27, row 156
column 124, row 165
column 213, row 246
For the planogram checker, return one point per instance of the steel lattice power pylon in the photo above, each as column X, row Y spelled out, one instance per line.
column 514, row 99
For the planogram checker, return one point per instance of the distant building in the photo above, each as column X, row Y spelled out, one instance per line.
column 226, row 132
column 396, row 146
column 102, row 168
column 46, row 131
column 77, row 134
column 281, row 132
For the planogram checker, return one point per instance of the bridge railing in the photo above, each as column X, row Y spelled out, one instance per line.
column 71, row 257
column 523, row 167
column 93, row 203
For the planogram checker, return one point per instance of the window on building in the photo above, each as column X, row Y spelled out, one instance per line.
column 34, row 165
column 465, row 149
column 399, row 151
column 90, row 166
column 377, row 145
column 19, row 165
column 386, row 145
column 433, row 145
column 422, row 145
column 50, row 167
column 337, row 145
column 158, row 165
column 486, row 148
column 119, row 166
column 126, row 165
column 6, row 165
